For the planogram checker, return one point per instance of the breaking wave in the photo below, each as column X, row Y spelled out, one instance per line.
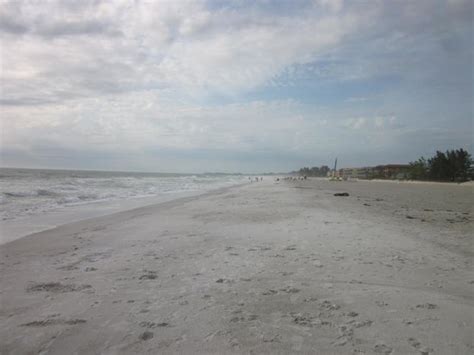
column 26, row 192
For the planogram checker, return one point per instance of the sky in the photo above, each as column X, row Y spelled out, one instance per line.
column 233, row 86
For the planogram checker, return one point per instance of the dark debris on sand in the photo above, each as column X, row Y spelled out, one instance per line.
column 146, row 335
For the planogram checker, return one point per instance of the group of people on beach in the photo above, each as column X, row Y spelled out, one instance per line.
column 290, row 178
column 293, row 178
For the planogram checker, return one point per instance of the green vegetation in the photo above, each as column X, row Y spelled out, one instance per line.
column 454, row 165
column 418, row 169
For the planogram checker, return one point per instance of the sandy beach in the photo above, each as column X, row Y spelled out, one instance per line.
column 269, row 267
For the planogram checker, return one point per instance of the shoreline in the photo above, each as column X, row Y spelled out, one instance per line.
column 14, row 229
column 267, row 267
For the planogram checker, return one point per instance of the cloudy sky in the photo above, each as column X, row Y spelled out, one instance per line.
column 251, row 86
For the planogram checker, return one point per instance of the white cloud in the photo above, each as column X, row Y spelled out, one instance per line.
column 357, row 99
column 355, row 123
column 372, row 124
column 173, row 44
column 144, row 121
column 333, row 5
column 136, row 76
column 386, row 122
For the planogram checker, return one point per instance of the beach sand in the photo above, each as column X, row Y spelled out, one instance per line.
column 266, row 267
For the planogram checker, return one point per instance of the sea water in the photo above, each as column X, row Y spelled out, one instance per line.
column 35, row 199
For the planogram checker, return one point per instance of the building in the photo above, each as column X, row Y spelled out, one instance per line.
column 395, row 171
column 390, row 171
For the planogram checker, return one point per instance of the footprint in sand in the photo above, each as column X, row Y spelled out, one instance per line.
column 53, row 321
column 274, row 339
column 224, row 281
column 352, row 314
column 251, row 317
column 341, row 341
column 306, row 320
column 147, row 324
column 327, row 305
column 317, row 263
column 56, row 287
column 289, row 289
column 146, row 335
column 383, row 349
column 360, row 324
column 427, row 306
column 417, row 345
column 269, row 292
column 149, row 275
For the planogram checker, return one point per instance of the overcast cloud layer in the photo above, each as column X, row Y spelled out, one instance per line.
column 194, row 86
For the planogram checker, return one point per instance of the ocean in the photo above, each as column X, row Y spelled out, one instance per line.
column 29, row 197
column 26, row 192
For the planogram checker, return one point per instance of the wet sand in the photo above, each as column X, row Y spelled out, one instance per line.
column 263, row 268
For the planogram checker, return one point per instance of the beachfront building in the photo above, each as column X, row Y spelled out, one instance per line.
column 348, row 173
column 395, row 171
column 390, row 171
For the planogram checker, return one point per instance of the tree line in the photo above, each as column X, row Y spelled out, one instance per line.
column 453, row 165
